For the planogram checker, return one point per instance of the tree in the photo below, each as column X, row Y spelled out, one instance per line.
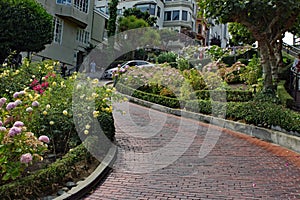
column 111, row 26
column 140, row 15
column 267, row 20
column 25, row 26
column 239, row 34
column 131, row 22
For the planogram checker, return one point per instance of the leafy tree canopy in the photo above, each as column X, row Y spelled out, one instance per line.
column 267, row 20
column 131, row 22
column 111, row 26
column 25, row 26
column 239, row 34
column 140, row 15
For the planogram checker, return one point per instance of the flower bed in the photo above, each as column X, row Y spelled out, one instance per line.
column 38, row 118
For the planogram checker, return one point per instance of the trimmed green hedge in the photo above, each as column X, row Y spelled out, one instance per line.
column 165, row 101
column 35, row 185
column 263, row 114
column 230, row 95
column 284, row 96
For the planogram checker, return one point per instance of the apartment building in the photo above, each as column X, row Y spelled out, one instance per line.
column 77, row 28
column 177, row 15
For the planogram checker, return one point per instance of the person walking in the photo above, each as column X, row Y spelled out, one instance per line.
column 93, row 66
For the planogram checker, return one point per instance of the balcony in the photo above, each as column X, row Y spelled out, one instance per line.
column 186, row 24
column 182, row 3
column 68, row 12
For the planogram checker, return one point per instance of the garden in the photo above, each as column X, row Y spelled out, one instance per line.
column 47, row 122
column 44, row 137
column 230, row 85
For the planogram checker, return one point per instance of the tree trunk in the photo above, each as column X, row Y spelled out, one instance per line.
column 266, row 65
column 271, row 58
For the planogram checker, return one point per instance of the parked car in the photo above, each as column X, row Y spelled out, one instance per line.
column 108, row 74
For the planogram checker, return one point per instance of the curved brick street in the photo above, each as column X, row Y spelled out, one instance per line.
column 163, row 156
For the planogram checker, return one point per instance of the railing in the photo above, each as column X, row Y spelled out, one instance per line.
column 294, row 82
column 294, row 51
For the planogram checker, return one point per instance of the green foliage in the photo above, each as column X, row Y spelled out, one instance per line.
column 30, row 187
column 217, row 52
column 253, row 72
column 195, row 79
column 240, row 34
column 45, row 106
column 112, row 25
column 231, row 95
column 182, row 64
column 25, row 26
column 162, row 100
column 140, row 15
column 284, row 97
column 131, row 22
column 258, row 17
column 232, row 74
column 168, row 57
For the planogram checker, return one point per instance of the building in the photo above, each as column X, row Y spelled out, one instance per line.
column 217, row 34
column 177, row 15
column 77, row 28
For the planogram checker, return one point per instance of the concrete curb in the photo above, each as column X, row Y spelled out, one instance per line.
column 85, row 186
column 289, row 141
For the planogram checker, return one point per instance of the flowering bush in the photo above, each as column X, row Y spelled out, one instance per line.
column 18, row 147
column 232, row 74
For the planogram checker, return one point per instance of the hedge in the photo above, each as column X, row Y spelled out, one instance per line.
column 265, row 114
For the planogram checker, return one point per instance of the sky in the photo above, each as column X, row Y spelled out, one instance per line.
column 288, row 38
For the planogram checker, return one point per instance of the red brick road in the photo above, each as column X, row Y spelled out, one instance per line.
column 237, row 167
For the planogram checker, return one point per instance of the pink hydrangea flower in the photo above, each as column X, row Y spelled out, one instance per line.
column 2, row 129
column 18, row 124
column 14, row 131
column 35, row 104
column 16, row 94
column 44, row 138
column 11, row 105
column 2, row 101
column 26, row 158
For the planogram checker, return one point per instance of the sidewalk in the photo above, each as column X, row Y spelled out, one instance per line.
column 162, row 156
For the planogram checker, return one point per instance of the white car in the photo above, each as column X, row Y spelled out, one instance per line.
column 138, row 63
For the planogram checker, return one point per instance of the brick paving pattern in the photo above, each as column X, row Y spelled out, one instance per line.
column 237, row 167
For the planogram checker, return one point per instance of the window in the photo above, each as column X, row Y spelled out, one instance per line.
column 103, row 9
column 82, row 5
column 66, row 2
column 143, row 8
column 175, row 15
column 168, row 15
column 83, row 36
column 147, row 8
column 152, row 9
column 58, row 30
column 184, row 15
column 119, row 12
column 158, row 11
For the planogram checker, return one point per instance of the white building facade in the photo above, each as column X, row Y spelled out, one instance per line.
column 173, row 14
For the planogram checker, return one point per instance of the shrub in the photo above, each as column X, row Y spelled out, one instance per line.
column 168, row 57
column 30, row 187
column 252, row 72
column 18, row 147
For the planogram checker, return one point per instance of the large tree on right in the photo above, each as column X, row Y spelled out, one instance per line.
column 267, row 20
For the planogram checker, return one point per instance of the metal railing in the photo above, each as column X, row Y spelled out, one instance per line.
column 294, row 82
column 292, row 50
